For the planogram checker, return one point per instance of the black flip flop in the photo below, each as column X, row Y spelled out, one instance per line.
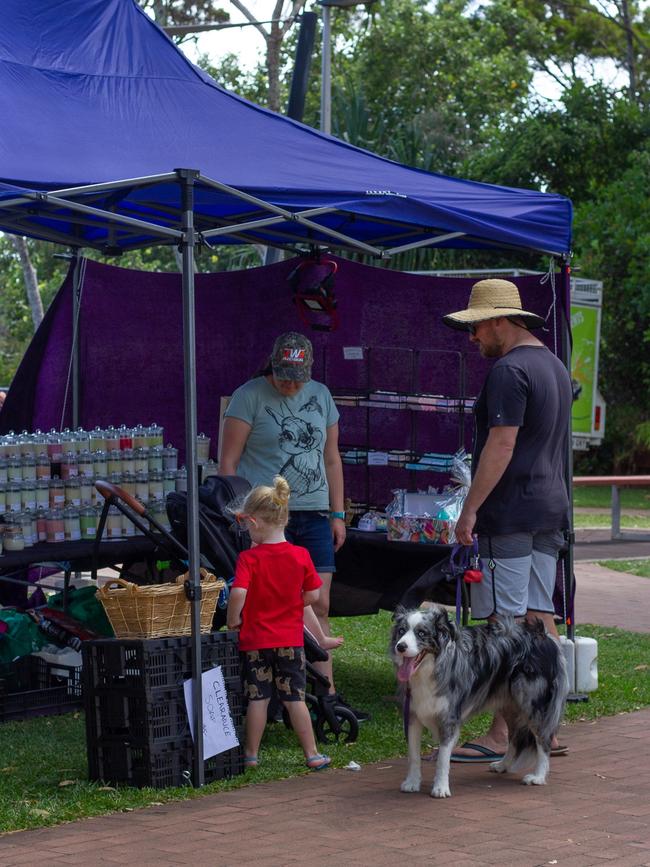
column 486, row 754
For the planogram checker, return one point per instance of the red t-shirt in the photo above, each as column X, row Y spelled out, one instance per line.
column 275, row 577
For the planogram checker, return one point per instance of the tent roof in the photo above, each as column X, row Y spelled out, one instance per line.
column 92, row 91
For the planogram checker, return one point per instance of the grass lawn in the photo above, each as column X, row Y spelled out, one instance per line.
column 43, row 761
column 634, row 567
column 630, row 522
column 601, row 497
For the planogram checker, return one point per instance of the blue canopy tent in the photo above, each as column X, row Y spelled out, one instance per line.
column 112, row 140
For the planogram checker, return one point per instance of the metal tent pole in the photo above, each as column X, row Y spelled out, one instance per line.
column 566, row 358
column 76, row 290
column 187, row 179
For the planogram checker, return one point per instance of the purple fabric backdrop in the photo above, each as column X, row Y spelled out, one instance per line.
column 132, row 355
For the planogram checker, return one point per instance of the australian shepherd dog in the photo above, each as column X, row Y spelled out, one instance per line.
column 452, row 673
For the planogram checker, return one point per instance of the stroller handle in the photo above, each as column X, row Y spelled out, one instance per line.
column 108, row 490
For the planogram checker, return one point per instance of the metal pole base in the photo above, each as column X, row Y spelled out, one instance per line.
column 577, row 696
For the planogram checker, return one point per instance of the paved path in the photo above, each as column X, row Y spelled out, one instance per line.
column 594, row 811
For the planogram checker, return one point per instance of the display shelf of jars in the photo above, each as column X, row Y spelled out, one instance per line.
column 47, row 481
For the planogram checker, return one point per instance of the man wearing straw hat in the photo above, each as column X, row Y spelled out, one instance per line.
column 518, row 502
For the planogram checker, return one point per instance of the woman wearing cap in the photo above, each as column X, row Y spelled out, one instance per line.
column 282, row 422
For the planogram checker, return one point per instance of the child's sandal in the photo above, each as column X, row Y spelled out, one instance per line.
column 318, row 762
column 251, row 761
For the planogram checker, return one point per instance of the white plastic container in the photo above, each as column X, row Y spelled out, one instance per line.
column 586, row 664
column 569, row 650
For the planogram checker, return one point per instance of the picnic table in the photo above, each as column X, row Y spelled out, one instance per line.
column 616, row 483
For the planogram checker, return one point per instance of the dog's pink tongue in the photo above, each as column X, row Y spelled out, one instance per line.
column 406, row 669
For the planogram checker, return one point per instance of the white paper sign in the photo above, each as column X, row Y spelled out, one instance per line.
column 353, row 353
column 377, row 459
column 218, row 728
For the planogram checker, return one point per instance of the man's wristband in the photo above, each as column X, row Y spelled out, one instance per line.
column 340, row 515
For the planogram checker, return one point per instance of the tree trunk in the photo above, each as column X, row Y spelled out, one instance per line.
column 629, row 50
column 31, row 280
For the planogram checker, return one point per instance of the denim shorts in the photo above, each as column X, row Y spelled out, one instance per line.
column 311, row 530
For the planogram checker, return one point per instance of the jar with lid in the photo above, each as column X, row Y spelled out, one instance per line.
column 71, row 524
column 181, row 480
column 12, row 538
column 14, row 496
column 159, row 513
column 28, row 494
column 128, row 483
column 29, row 467
column 128, row 461
column 88, row 522
column 97, row 440
column 142, row 486
column 112, row 439
column 85, row 463
column 57, row 493
column 170, row 457
column 156, row 458
column 114, row 523
column 24, row 521
column 55, row 526
column 140, row 437
column 86, row 487
column 141, row 462
column 154, row 435
column 126, row 437
column 4, row 477
column 100, row 464
column 68, row 443
column 155, row 485
column 43, row 493
column 169, row 482
column 54, row 447
column 69, row 466
column 115, row 461
column 42, row 466
column 202, row 448
column 115, row 479
column 15, row 469
column 27, row 444
column 211, row 468
column 3, row 497
column 73, row 491
column 41, row 525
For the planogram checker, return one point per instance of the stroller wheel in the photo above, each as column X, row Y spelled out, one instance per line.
column 346, row 729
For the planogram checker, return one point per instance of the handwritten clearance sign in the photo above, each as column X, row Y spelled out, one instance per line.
column 218, row 728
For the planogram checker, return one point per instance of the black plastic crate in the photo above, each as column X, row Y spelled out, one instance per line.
column 155, row 663
column 136, row 719
column 32, row 686
column 158, row 767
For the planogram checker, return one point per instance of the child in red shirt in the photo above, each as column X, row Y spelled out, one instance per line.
column 273, row 583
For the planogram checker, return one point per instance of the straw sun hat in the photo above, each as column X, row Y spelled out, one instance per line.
column 490, row 299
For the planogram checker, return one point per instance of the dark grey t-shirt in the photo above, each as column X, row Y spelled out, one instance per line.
column 528, row 388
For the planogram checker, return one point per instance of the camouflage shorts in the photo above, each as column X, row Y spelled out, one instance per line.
column 282, row 667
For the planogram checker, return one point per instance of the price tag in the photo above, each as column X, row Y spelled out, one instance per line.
column 353, row 353
column 377, row 459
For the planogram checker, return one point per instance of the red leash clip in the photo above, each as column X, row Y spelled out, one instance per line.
column 473, row 575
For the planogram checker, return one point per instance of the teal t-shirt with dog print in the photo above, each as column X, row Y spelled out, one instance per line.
column 287, row 438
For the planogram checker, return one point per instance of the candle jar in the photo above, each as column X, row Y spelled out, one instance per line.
column 69, row 466
column 115, row 479
column 155, row 485
column 73, row 491
column 43, row 493
column 88, row 522
column 27, row 445
column 170, row 458
column 128, row 461
column 71, row 524
column 112, row 439
column 154, row 435
column 28, row 494
column 41, row 525
column 128, row 483
column 55, row 526
column 202, row 448
column 43, row 466
column 100, row 464
column 86, row 488
column 141, row 462
column 29, row 468
column 211, row 468
column 14, row 496
column 126, row 437
column 3, row 497
column 3, row 470
column 54, row 447
column 140, row 437
column 97, row 440
column 57, row 493
column 181, row 480
column 156, row 458
column 159, row 513
column 14, row 469
column 142, row 486
column 169, row 482
column 24, row 521
column 114, row 523
column 115, row 461
column 85, row 464
column 13, row 539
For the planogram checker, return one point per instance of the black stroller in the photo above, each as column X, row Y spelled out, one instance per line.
column 220, row 541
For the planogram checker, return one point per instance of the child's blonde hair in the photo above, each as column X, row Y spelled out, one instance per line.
column 271, row 504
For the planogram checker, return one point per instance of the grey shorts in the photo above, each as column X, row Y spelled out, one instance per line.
column 518, row 574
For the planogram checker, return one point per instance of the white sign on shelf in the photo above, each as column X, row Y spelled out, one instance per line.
column 377, row 459
column 353, row 353
column 218, row 728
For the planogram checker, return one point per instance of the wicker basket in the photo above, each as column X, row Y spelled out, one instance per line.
column 156, row 611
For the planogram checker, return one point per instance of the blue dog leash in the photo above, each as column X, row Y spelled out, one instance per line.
column 465, row 564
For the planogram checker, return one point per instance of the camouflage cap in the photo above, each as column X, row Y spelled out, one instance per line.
column 292, row 358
